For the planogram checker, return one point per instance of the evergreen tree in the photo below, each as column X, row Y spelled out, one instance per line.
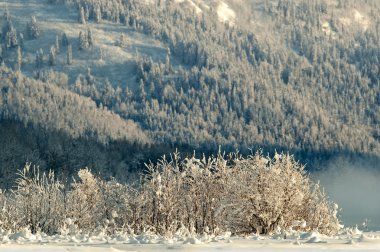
column 56, row 45
column 7, row 15
column 168, row 67
column 82, row 19
column 86, row 12
column 11, row 39
column 69, row 55
column 9, row 34
column 98, row 14
column 19, row 58
column 33, row 28
column 2, row 52
column 39, row 58
column 64, row 40
column 83, row 40
column 90, row 38
column 21, row 40
column 52, row 56
column 89, row 77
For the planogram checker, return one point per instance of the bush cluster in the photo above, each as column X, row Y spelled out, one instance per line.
column 195, row 196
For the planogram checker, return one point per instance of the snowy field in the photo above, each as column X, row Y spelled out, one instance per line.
column 347, row 240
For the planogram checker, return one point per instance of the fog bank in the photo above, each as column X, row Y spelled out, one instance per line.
column 355, row 187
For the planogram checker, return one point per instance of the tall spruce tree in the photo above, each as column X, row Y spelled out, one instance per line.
column 52, row 56
column 83, row 40
column 64, row 40
column 81, row 18
column 69, row 55
column 19, row 58
column 39, row 58
column 33, row 28
column 56, row 45
column 97, row 14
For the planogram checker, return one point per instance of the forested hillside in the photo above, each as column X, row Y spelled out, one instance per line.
column 300, row 76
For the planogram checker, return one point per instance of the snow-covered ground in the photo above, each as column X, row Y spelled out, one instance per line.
column 224, row 11
column 347, row 240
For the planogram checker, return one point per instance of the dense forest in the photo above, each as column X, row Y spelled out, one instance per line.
column 310, row 85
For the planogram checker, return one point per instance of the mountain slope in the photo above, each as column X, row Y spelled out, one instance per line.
column 51, row 107
column 298, row 76
column 57, row 129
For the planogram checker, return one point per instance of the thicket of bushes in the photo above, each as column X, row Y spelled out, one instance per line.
column 209, row 195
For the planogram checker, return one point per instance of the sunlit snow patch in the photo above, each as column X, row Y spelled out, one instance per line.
column 355, row 18
column 225, row 13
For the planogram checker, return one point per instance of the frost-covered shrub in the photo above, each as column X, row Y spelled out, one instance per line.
column 7, row 211
column 39, row 201
column 117, row 208
column 205, row 184
column 188, row 196
column 242, row 195
column 320, row 213
column 265, row 195
column 162, row 191
column 184, row 194
column 84, row 200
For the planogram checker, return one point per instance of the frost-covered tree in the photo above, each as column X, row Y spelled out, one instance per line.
column 9, row 33
column 83, row 40
column 168, row 65
column 6, row 14
column 97, row 14
column 89, row 77
column 12, row 40
column 86, row 12
column 90, row 38
column 19, row 58
column 21, row 40
column 33, row 28
column 39, row 58
column 81, row 18
column 69, row 56
column 52, row 56
column 64, row 40
column 2, row 52
column 56, row 45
